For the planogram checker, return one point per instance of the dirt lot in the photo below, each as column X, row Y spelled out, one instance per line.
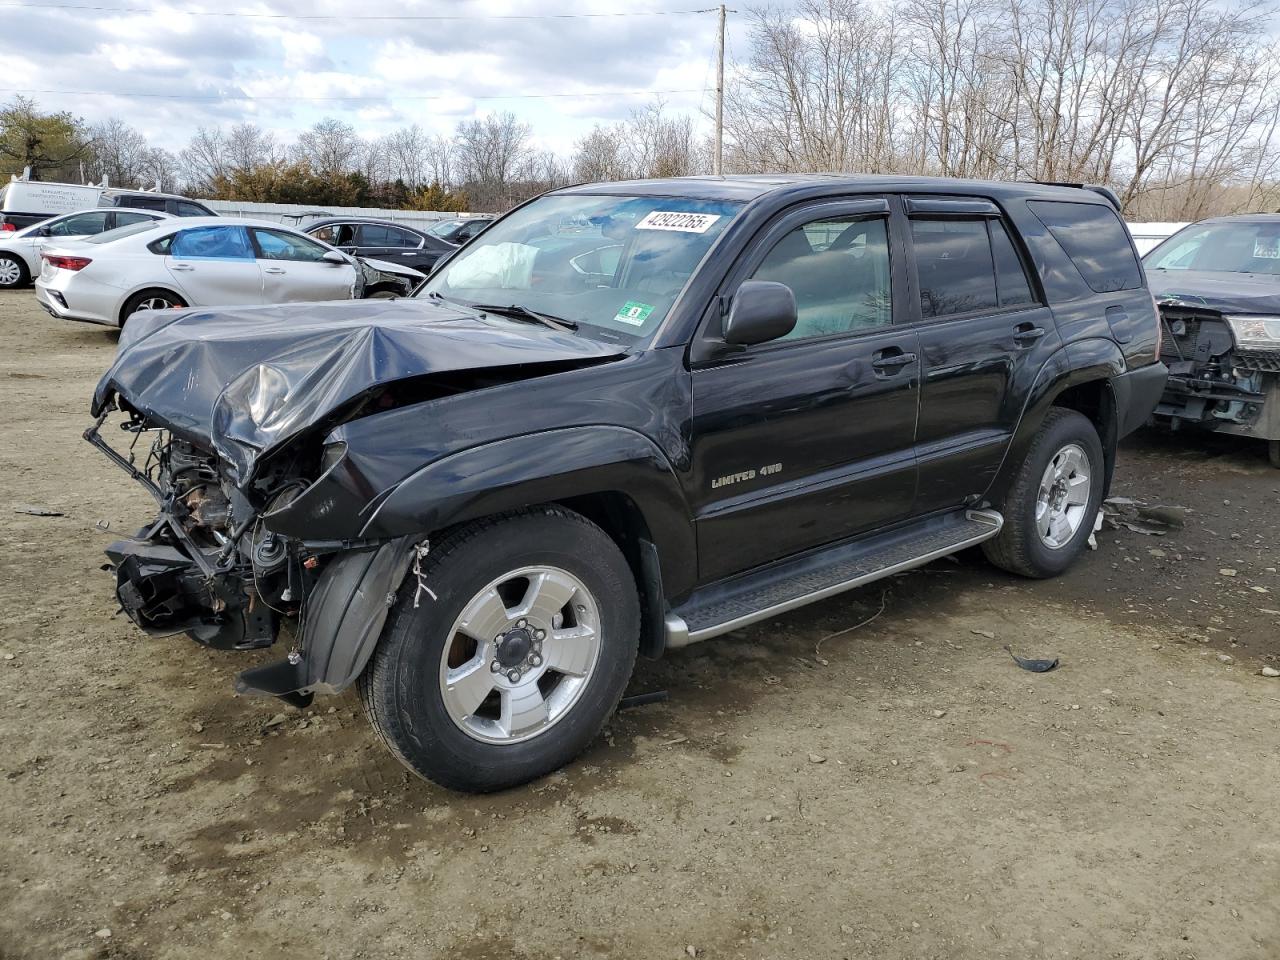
column 905, row 793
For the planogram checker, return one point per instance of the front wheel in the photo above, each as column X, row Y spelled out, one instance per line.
column 506, row 651
column 1273, row 452
column 1054, row 499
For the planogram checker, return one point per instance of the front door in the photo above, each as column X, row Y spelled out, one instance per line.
column 294, row 269
column 984, row 335
column 809, row 439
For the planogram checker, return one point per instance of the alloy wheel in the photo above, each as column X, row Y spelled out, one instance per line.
column 1063, row 498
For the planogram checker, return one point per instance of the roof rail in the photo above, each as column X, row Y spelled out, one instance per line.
column 1110, row 195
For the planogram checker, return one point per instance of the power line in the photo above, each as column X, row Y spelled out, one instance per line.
column 350, row 17
column 373, row 97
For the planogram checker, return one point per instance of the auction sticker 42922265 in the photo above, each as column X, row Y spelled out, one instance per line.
column 677, row 220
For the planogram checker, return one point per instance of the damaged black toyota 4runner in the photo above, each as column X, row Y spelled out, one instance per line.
column 625, row 418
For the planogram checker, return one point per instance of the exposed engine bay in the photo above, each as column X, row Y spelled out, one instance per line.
column 1212, row 382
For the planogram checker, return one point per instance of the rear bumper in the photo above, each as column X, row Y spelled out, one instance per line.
column 55, row 304
column 1137, row 392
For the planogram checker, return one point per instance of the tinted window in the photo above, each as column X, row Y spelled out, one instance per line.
column 1095, row 240
column 1011, row 276
column 124, row 219
column 376, row 235
column 141, row 202
column 211, row 243
column 841, row 282
column 954, row 263
column 78, row 225
column 187, row 209
column 278, row 245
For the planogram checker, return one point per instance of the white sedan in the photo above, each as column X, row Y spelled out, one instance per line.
column 189, row 262
column 20, row 250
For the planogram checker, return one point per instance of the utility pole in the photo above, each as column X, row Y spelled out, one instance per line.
column 718, row 160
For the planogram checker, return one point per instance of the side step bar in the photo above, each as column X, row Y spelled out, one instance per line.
column 726, row 606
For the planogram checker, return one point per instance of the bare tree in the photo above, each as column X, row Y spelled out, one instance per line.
column 331, row 148
column 247, row 147
column 206, row 158
column 488, row 151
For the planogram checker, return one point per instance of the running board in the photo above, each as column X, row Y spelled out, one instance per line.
column 730, row 604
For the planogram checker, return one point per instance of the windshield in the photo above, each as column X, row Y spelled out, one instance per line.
column 1244, row 247
column 613, row 263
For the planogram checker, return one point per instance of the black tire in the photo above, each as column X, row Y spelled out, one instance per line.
column 1273, row 452
column 23, row 275
column 1019, row 547
column 134, row 303
column 401, row 687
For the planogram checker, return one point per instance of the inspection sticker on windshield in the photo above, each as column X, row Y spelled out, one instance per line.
column 634, row 313
column 682, row 222
column 1266, row 248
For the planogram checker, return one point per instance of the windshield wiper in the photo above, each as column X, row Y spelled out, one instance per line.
column 516, row 312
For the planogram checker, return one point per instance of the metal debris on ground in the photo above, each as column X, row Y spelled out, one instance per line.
column 817, row 649
column 37, row 511
column 1035, row 666
column 1149, row 519
column 643, row 699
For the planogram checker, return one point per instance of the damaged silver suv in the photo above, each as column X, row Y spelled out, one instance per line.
column 624, row 418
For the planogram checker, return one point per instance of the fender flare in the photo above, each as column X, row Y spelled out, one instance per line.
column 1096, row 359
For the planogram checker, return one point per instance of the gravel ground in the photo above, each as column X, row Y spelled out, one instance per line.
column 905, row 792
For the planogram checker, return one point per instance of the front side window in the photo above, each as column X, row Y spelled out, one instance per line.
column 613, row 263
column 211, row 243
column 278, row 245
column 838, row 269
column 1241, row 247
column 79, row 225
column 1095, row 240
column 954, row 265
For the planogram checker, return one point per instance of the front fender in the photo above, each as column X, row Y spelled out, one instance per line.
column 545, row 467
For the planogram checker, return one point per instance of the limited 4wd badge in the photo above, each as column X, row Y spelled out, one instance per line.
column 765, row 471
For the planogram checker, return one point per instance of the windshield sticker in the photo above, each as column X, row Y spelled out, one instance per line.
column 682, row 222
column 634, row 313
column 1266, row 248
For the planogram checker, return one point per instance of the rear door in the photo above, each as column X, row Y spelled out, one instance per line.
column 294, row 268
column 984, row 334
column 808, row 439
column 215, row 266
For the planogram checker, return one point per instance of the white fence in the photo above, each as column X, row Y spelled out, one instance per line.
column 1147, row 236
column 301, row 213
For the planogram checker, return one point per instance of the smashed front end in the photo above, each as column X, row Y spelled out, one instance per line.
column 1224, row 371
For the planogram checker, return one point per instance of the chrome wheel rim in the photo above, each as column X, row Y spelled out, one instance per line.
column 1063, row 500
column 10, row 272
column 154, row 303
column 520, row 655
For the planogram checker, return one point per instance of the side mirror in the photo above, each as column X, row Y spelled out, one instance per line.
column 336, row 258
column 762, row 311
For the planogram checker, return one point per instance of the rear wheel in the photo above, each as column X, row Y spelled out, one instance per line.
column 13, row 272
column 503, row 659
column 1054, row 500
column 150, row 300
column 1273, row 452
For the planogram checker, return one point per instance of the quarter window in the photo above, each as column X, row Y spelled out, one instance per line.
column 838, row 269
column 278, row 245
column 210, row 243
column 187, row 209
column 955, row 266
column 1011, row 277
column 124, row 219
column 1095, row 240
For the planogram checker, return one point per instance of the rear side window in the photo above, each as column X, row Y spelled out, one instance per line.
column 954, row 263
column 212, row 243
column 1095, row 240
column 124, row 219
column 185, row 208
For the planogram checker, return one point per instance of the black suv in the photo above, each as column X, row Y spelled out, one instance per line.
column 625, row 418
column 169, row 203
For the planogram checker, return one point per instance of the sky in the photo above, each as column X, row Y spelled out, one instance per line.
column 149, row 65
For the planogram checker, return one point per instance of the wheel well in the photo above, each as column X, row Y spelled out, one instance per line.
column 619, row 516
column 149, row 290
column 1095, row 400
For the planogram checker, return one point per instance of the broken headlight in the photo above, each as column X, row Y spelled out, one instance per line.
column 1255, row 333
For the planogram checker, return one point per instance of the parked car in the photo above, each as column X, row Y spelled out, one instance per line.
column 625, row 418
column 20, row 250
column 459, row 231
column 198, row 262
column 27, row 202
column 382, row 240
column 1218, row 286
column 170, row 203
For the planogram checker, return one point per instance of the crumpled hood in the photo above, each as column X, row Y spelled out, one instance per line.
column 1226, row 292
column 243, row 381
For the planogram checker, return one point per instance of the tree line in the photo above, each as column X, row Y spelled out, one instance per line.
column 1173, row 103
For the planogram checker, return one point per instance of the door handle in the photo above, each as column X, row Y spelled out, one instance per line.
column 273, row 270
column 1025, row 334
column 891, row 360
column 182, row 267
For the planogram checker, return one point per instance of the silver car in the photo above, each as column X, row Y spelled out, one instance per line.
column 195, row 261
column 20, row 249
